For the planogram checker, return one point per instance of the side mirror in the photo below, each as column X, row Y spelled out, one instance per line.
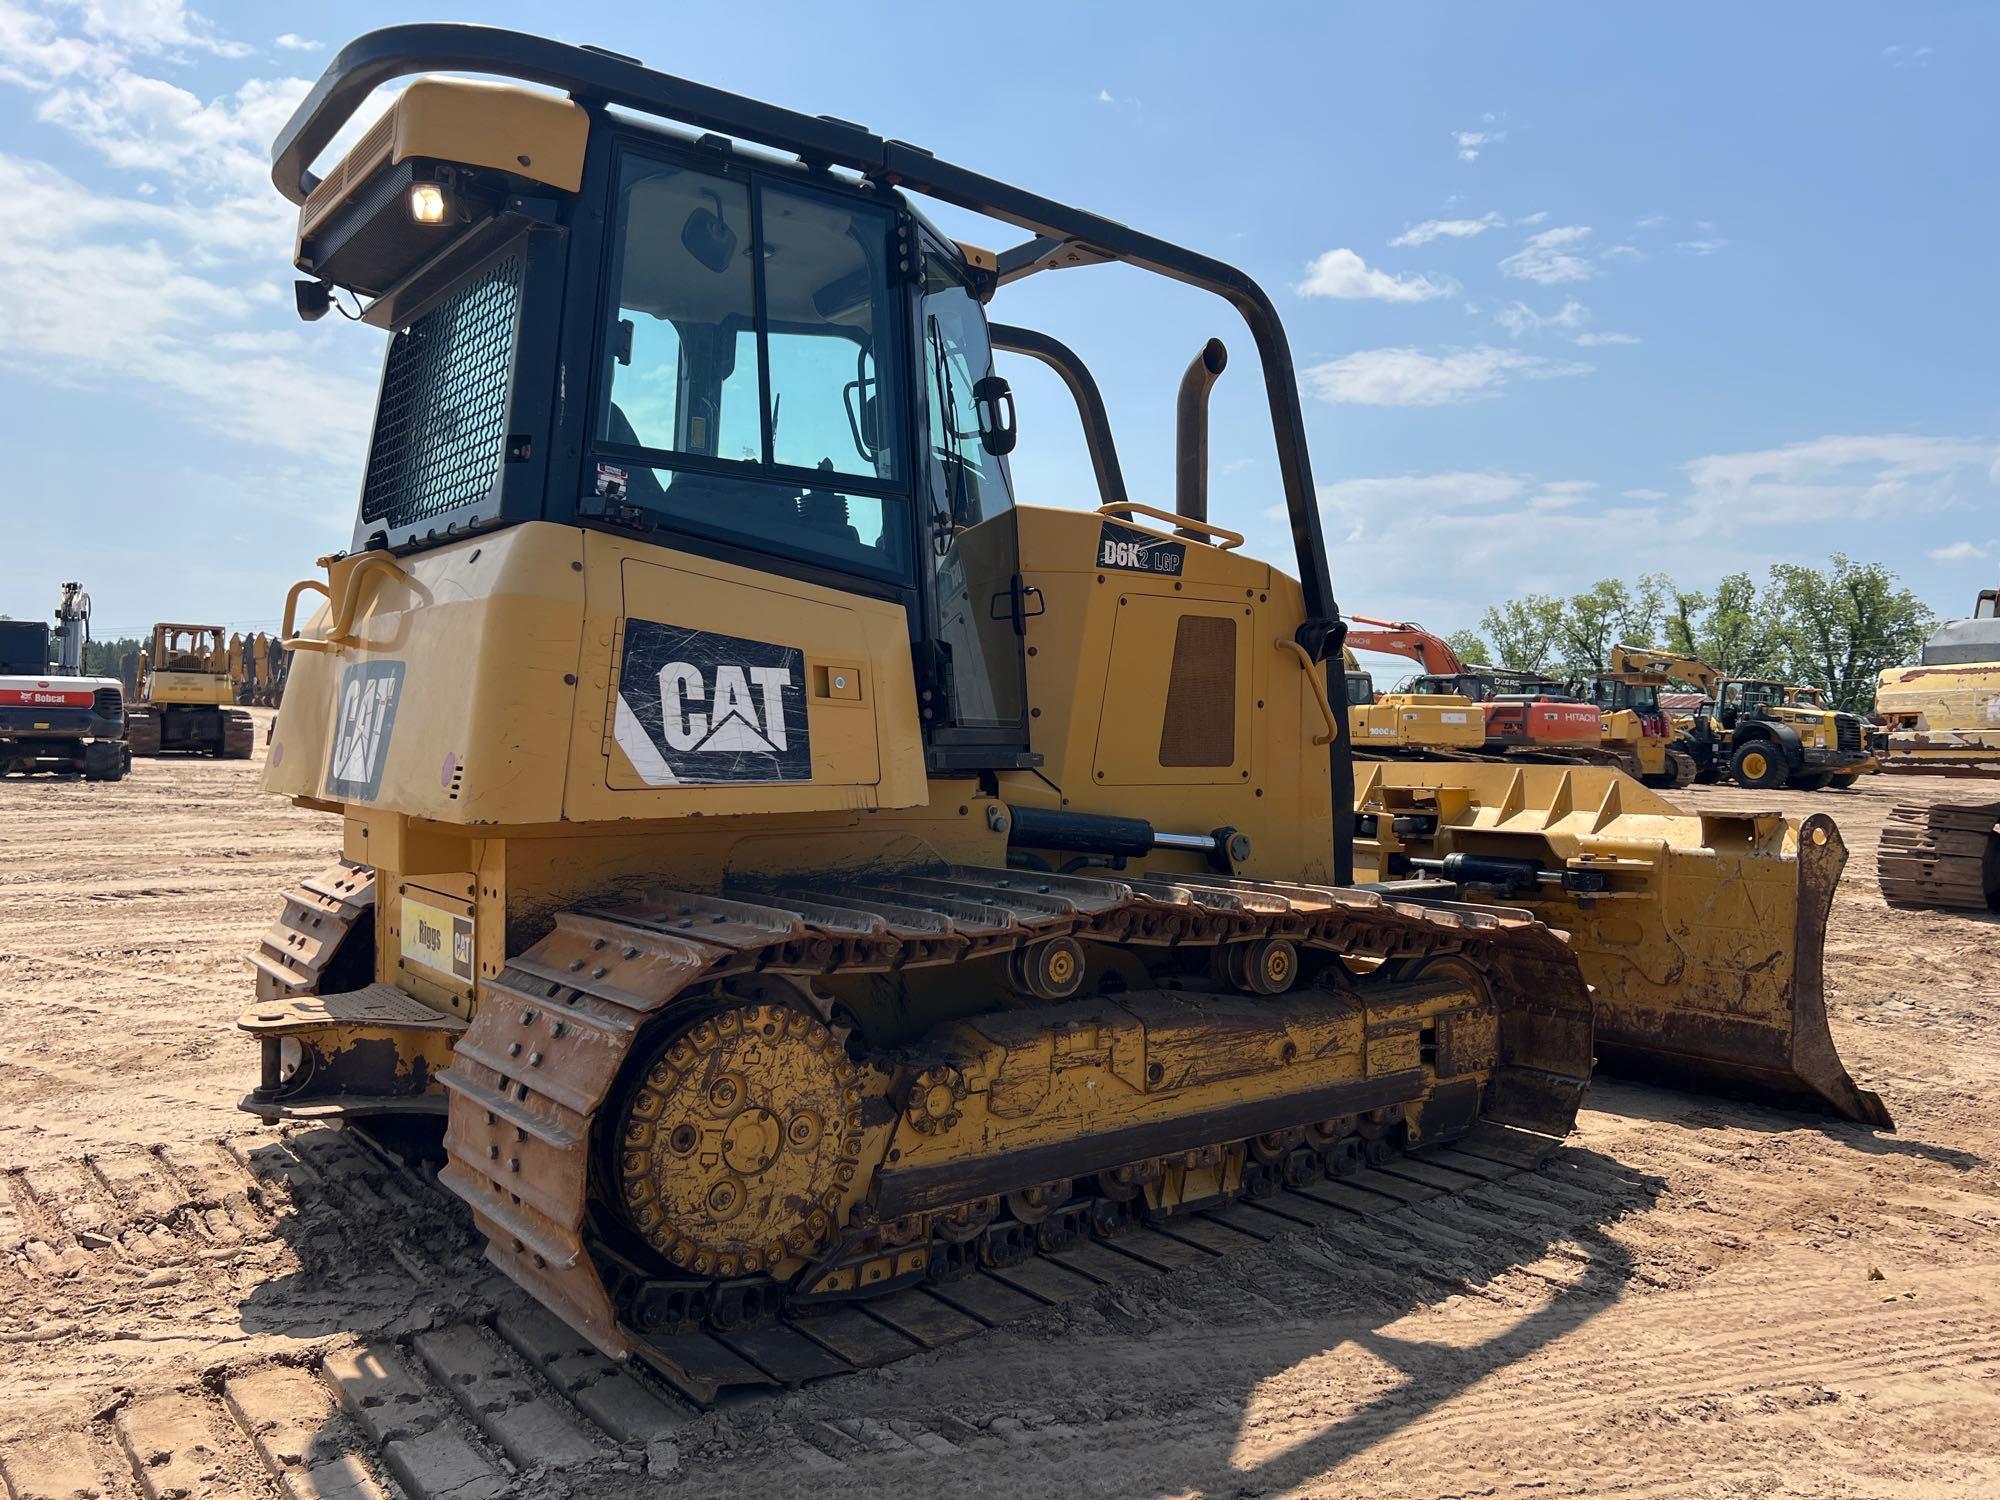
column 993, row 399
column 864, row 417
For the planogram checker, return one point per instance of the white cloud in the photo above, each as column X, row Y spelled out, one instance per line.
column 103, row 293
column 1601, row 340
column 1855, row 478
column 1342, row 273
column 1645, row 494
column 1621, row 252
column 1904, row 55
column 1533, row 218
column 1457, row 229
column 145, row 26
column 1551, row 257
column 291, row 41
column 1518, row 318
column 1472, row 142
column 1700, row 247
column 1651, row 221
column 1412, row 377
column 1958, row 552
column 1104, row 97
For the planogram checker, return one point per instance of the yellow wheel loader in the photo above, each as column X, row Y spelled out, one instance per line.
column 1756, row 731
column 793, row 872
column 187, row 697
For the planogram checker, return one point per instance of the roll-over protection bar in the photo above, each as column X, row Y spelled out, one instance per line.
column 1061, row 234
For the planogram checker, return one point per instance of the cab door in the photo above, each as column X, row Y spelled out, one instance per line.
column 978, row 713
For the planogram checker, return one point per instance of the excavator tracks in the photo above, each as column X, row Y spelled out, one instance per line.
column 1944, row 854
column 534, row 1092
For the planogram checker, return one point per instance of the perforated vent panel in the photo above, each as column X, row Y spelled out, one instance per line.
column 441, row 429
column 1200, row 728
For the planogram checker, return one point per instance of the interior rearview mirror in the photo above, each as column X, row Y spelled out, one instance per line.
column 708, row 238
column 993, row 399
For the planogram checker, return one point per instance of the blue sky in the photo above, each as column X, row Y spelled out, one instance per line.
column 1573, row 291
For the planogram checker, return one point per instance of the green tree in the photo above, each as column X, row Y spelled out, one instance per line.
column 1838, row 627
column 1470, row 648
column 1590, row 623
column 1524, row 631
column 101, row 658
column 1740, row 634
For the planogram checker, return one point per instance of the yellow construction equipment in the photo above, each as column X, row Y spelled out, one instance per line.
column 1941, row 854
column 795, row 873
column 1943, row 714
column 1403, row 724
column 1627, row 693
column 187, row 693
column 1752, row 730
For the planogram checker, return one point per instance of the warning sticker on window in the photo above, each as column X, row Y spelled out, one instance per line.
column 1132, row 551
column 366, row 719
column 697, row 708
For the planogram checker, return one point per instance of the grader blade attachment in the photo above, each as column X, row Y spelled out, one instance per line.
column 1701, row 934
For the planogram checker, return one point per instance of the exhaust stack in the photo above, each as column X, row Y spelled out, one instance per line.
column 1191, row 432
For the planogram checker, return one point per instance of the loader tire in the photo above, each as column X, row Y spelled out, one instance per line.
column 1760, row 765
column 1842, row 783
column 1814, row 783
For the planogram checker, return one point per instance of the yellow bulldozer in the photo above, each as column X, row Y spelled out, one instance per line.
column 186, row 698
column 791, row 871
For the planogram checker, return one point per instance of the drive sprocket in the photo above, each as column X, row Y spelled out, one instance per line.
column 740, row 1140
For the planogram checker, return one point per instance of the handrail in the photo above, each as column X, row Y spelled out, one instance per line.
column 1229, row 540
column 340, row 631
column 1308, row 665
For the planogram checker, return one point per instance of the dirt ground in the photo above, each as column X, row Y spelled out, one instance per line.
column 1696, row 1298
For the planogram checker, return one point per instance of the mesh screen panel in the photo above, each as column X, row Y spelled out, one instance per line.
column 441, row 427
column 1200, row 727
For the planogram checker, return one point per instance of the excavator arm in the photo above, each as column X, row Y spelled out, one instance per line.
column 1646, row 663
column 1403, row 638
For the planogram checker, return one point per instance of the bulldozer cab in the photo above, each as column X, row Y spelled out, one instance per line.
column 187, row 648
column 750, row 344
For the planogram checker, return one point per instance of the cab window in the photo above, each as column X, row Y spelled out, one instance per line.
column 747, row 393
column 975, row 557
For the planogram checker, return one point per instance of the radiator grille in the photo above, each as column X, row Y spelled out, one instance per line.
column 110, row 703
column 441, row 426
column 1847, row 731
column 1200, row 727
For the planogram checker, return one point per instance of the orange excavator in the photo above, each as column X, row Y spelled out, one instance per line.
column 1526, row 715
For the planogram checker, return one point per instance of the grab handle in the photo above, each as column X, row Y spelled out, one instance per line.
column 1313, row 676
column 340, row 632
column 1228, row 538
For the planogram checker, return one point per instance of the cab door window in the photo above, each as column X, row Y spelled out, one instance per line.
column 973, row 545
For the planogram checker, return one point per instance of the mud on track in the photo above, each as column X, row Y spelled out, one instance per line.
column 1695, row 1297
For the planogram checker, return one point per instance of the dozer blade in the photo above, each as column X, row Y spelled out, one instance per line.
column 1702, row 934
